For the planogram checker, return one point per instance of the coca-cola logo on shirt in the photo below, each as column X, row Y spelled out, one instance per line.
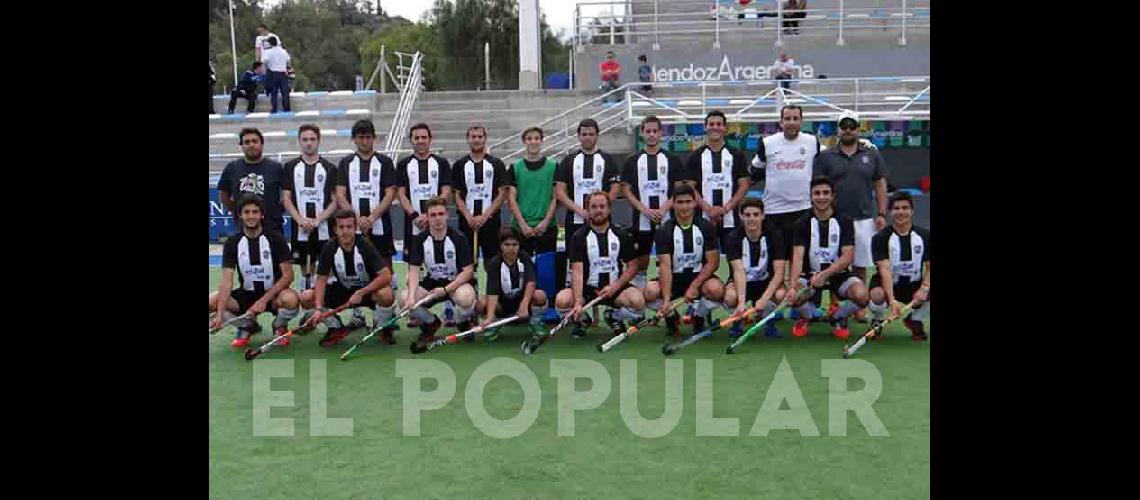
column 791, row 165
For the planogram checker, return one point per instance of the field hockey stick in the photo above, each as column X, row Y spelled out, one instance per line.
column 850, row 349
column 668, row 349
column 531, row 344
column 475, row 249
column 417, row 347
column 391, row 322
column 619, row 338
column 253, row 353
column 228, row 323
column 760, row 324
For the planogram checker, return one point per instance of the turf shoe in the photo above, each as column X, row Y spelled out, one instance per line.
column 801, row 328
column 617, row 327
column 492, row 334
column 280, row 332
column 334, row 336
column 735, row 331
column 875, row 322
column 839, row 329
column 673, row 324
column 771, row 331
column 241, row 339
column 917, row 332
column 387, row 335
column 463, row 326
column 427, row 332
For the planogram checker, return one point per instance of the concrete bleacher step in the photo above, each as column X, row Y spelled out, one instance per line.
column 308, row 101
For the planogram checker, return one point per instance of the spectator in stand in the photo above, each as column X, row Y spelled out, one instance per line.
column 784, row 69
column 358, row 82
column 213, row 80
column 645, row 74
column 261, row 41
column 610, row 70
column 247, row 87
column 277, row 79
column 794, row 9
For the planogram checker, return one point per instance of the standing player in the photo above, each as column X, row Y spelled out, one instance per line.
column 597, row 254
column 757, row 257
column 532, row 199
column 826, row 240
column 265, row 272
column 647, row 183
column 784, row 162
column 307, row 192
column 445, row 256
column 720, row 174
column 253, row 175
column 420, row 177
column 362, row 280
column 366, row 185
column 511, row 286
column 582, row 172
column 902, row 253
column 687, row 259
column 480, row 183
column 857, row 171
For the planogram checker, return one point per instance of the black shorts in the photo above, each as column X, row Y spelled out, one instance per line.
column 431, row 284
column 335, row 295
column 785, row 223
column 508, row 305
column 643, row 243
column 837, row 282
column 904, row 290
column 306, row 251
column 722, row 238
column 246, row 298
column 384, row 243
column 752, row 289
column 589, row 293
column 488, row 237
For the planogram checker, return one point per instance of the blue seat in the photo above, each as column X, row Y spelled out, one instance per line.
column 716, row 102
column 332, row 112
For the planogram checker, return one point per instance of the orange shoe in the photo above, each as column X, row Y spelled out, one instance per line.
column 278, row 332
column 241, row 340
column 801, row 328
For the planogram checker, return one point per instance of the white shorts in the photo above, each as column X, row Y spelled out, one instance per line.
column 864, row 230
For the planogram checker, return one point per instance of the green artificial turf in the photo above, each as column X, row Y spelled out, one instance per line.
column 453, row 458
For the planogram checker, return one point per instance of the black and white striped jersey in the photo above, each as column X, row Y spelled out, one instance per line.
column 439, row 260
column 509, row 280
column 757, row 256
column 906, row 252
column 603, row 255
column 718, row 174
column 311, row 187
column 822, row 239
column 257, row 260
column 354, row 269
column 583, row 174
column 479, row 182
column 651, row 179
column 365, row 181
column 686, row 245
column 423, row 180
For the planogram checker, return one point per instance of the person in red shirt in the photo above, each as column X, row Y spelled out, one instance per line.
column 610, row 68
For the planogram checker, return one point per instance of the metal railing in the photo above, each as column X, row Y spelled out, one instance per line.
column 698, row 19
column 885, row 98
column 408, row 94
column 558, row 140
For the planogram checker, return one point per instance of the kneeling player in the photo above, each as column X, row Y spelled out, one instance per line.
column 603, row 260
column 827, row 241
column 902, row 254
column 449, row 270
column 362, row 281
column 265, row 271
column 757, row 258
column 511, row 286
column 687, row 258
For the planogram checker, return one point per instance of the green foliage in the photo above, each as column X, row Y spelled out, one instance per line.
column 337, row 39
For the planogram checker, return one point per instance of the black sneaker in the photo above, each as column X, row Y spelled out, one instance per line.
column 579, row 330
column 463, row 326
column 387, row 336
column 875, row 323
column 334, row 336
column 699, row 322
column 427, row 332
column 672, row 323
column 356, row 323
column 917, row 332
column 617, row 327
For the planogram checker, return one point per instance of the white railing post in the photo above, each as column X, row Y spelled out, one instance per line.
column 902, row 39
column 716, row 14
column 779, row 24
column 856, row 96
column 840, row 42
column 577, row 28
column 612, row 22
column 656, row 28
column 571, row 59
column 486, row 65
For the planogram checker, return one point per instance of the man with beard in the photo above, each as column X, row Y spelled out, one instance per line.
column 253, row 175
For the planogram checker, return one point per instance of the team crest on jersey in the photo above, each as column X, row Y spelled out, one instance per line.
column 803, row 151
column 918, row 249
column 360, row 267
column 375, row 171
column 265, row 254
column 834, row 238
column 598, row 167
column 320, row 177
column 433, row 174
column 699, row 241
column 613, row 246
column 450, row 254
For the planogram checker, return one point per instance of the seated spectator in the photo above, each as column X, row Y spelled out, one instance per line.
column 610, row 70
column 645, row 74
column 794, row 10
column 784, row 69
column 247, row 87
